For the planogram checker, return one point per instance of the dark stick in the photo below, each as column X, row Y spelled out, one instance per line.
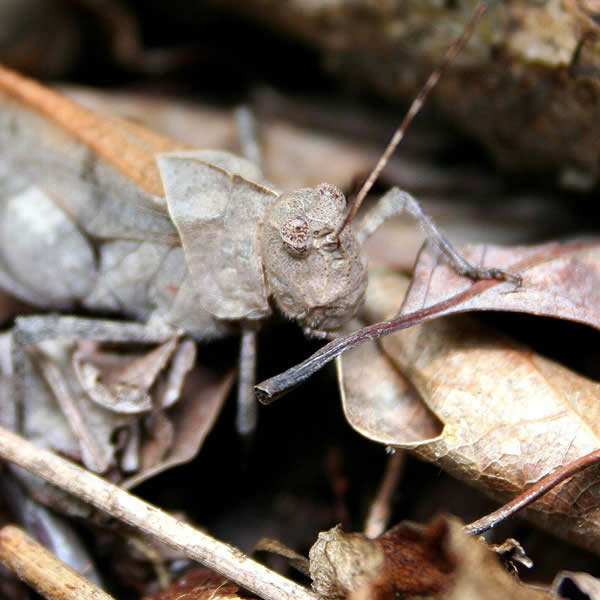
column 278, row 386
column 533, row 493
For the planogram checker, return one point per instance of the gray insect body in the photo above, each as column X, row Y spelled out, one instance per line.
column 243, row 244
column 102, row 213
column 188, row 241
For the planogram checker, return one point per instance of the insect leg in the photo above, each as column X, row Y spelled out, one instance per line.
column 247, row 132
column 246, row 400
column 397, row 201
column 246, row 416
column 36, row 328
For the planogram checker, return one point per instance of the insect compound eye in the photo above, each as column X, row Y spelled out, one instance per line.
column 296, row 236
column 330, row 191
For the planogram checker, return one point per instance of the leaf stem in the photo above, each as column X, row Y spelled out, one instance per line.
column 531, row 494
column 269, row 390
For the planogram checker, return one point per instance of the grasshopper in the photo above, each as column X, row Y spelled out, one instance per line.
column 102, row 213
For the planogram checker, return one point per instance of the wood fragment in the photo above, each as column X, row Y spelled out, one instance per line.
column 40, row 569
column 380, row 510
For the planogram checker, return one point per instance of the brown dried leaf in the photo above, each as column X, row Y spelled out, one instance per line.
column 478, row 573
column 341, row 563
column 439, row 561
column 293, row 157
column 559, row 280
column 201, row 583
column 508, row 416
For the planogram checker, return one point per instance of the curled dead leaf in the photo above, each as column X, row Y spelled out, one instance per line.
column 560, row 280
column 484, row 408
column 438, row 561
column 201, row 583
column 343, row 562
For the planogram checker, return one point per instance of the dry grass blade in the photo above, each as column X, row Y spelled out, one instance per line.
column 229, row 561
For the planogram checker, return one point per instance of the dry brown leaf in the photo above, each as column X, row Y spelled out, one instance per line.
column 201, row 583
column 293, row 157
column 406, row 560
column 478, row 573
column 559, row 280
column 487, row 410
column 440, row 561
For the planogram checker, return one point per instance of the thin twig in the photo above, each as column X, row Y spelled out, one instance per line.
column 226, row 560
column 533, row 493
column 40, row 569
column 275, row 387
column 380, row 510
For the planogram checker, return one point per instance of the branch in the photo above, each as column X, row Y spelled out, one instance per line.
column 226, row 560
column 39, row 568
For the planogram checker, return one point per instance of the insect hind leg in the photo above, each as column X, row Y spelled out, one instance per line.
column 396, row 202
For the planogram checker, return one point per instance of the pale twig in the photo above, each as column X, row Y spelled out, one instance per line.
column 40, row 569
column 533, row 493
column 226, row 560
column 380, row 509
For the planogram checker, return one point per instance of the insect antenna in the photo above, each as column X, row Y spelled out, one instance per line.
column 412, row 112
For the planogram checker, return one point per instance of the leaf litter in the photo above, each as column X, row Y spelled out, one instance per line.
column 127, row 412
column 485, row 408
column 142, row 431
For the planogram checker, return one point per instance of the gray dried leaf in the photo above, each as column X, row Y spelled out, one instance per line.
column 193, row 417
column 122, row 384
